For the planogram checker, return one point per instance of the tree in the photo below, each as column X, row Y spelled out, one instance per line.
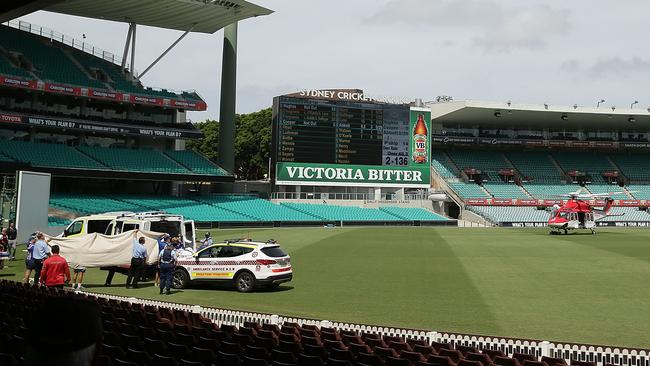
column 207, row 146
column 252, row 143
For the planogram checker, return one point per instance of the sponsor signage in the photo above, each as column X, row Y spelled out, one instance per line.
column 98, row 127
column 17, row 82
column 62, row 89
column 476, row 201
column 453, row 139
column 59, row 88
column 352, row 175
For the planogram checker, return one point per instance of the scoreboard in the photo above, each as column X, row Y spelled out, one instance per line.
column 341, row 132
column 340, row 138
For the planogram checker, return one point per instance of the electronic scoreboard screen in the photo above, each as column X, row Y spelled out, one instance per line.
column 339, row 137
column 341, row 132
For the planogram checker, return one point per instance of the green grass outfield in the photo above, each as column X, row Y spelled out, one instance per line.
column 518, row 283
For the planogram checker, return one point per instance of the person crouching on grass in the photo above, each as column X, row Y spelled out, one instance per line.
column 55, row 272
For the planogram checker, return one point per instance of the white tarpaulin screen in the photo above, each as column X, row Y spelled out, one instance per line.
column 97, row 250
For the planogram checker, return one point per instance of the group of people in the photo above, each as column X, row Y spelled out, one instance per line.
column 8, row 240
column 167, row 254
column 52, row 270
column 49, row 267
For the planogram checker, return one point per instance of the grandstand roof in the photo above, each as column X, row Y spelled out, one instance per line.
column 501, row 115
column 207, row 16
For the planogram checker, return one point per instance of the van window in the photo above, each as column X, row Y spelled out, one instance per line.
column 109, row 230
column 74, row 228
column 128, row 227
column 173, row 228
column 189, row 233
column 274, row 252
column 118, row 227
column 97, row 226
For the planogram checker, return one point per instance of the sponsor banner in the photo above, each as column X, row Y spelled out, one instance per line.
column 635, row 145
column 627, row 203
column 535, row 143
column 492, row 141
column 109, row 128
column 352, row 175
column 62, row 89
column 552, row 202
column 477, row 201
column 502, row 202
column 453, row 139
column 523, row 224
column 420, row 125
column 145, row 100
column 18, row 82
column 189, row 104
column 577, row 143
column 603, row 144
column 105, row 94
column 520, row 202
column 556, row 143
column 623, row 223
column 10, row 118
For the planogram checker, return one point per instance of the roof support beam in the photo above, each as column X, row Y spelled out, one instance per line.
column 132, row 66
column 166, row 51
column 125, row 54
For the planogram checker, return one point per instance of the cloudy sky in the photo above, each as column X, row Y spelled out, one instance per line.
column 533, row 52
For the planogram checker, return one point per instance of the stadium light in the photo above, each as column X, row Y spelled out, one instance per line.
column 497, row 114
column 508, row 103
column 564, row 117
column 613, row 107
column 545, row 106
column 633, row 103
column 598, row 104
column 575, row 106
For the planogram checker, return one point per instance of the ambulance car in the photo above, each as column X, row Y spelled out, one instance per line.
column 245, row 263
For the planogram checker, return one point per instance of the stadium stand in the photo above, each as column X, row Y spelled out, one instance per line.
column 634, row 166
column 541, row 191
column 499, row 214
column 87, row 157
column 49, row 155
column 638, row 191
column 487, row 161
column 342, row 213
column 408, row 213
column 261, row 209
column 195, row 162
column 503, row 190
column 535, row 167
column 234, row 208
column 592, row 164
column 141, row 160
column 40, row 54
column 441, row 164
column 57, row 221
column 468, row 190
column 608, row 188
column 7, row 68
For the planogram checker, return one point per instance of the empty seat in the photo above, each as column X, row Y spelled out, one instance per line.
column 455, row 355
column 393, row 361
column 521, row 357
column 479, row 357
column 307, row 360
column 552, row 361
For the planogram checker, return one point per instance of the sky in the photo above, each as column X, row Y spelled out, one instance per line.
column 530, row 52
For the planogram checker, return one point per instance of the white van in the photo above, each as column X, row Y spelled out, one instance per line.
column 113, row 223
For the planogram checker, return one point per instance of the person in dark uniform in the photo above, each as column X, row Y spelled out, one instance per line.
column 167, row 261
column 137, row 263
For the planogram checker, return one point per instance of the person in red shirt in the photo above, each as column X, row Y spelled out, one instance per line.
column 55, row 272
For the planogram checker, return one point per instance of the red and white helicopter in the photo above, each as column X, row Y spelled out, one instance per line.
column 578, row 213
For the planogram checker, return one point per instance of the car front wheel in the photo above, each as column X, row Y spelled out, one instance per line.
column 180, row 279
column 245, row 282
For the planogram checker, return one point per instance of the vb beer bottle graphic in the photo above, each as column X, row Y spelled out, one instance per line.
column 420, row 141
